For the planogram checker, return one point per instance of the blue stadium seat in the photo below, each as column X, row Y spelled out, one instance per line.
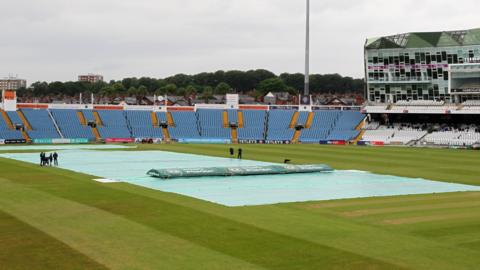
column 211, row 123
column 8, row 134
column 41, row 123
column 279, row 125
column 186, row 125
column 322, row 124
column 141, row 125
column 344, row 129
column 70, row 126
column 253, row 125
column 114, row 125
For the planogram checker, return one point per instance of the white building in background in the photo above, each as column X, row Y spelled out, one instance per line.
column 92, row 78
column 12, row 83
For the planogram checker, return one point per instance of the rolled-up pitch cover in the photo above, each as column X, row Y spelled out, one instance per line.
column 237, row 171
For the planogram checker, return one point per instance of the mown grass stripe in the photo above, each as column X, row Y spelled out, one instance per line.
column 108, row 239
column 24, row 247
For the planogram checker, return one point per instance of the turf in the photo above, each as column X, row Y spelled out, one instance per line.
column 71, row 222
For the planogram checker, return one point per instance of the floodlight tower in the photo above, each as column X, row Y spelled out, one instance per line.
column 307, row 53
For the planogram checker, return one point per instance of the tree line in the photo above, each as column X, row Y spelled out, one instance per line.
column 253, row 82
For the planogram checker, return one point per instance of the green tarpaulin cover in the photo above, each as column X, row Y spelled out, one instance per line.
column 238, row 171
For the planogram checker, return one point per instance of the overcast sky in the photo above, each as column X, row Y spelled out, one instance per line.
column 58, row 39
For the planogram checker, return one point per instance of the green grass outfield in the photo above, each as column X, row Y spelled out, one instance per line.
column 56, row 219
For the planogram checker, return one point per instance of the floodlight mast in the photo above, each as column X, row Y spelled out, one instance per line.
column 307, row 53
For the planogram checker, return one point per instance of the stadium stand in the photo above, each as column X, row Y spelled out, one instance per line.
column 42, row 126
column 398, row 133
column 345, row 126
column 140, row 123
column 279, row 125
column 232, row 116
column 113, row 124
column 302, row 118
column 322, row 124
column 212, row 124
column 8, row 132
column 186, row 126
column 466, row 136
column 70, row 126
column 88, row 114
column 15, row 118
column 253, row 125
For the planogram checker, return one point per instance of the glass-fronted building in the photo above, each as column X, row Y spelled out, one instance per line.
column 416, row 66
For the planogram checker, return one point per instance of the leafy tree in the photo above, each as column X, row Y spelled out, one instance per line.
column 296, row 80
column 220, row 81
column 272, row 85
column 207, row 94
column 132, row 91
column 190, row 91
column 222, row 89
column 118, row 88
column 142, row 91
column 169, row 89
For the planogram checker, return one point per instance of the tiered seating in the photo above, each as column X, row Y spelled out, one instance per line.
column 344, row 129
column 42, row 124
column 372, row 125
column 69, row 125
column 475, row 103
column 406, row 136
column 420, row 103
column 381, row 135
column 302, row 118
column 186, row 125
column 472, row 106
column 375, row 109
column 253, row 125
column 114, row 125
column 14, row 118
column 466, row 137
column 211, row 124
column 141, row 125
column 323, row 122
column 162, row 117
column 279, row 125
column 8, row 134
column 88, row 114
column 398, row 133
column 232, row 116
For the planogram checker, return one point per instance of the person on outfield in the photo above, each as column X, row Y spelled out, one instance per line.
column 55, row 158
column 42, row 158
column 50, row 159
column 239, row 153
column 232, row 152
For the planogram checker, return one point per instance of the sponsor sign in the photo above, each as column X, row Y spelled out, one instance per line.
column 232, row 101
column 15, row 141
column 377, row 143
column 206, row 141
column 60, row 141
column 119, row 140
column 338, row 142
column 42, row 141
column 148, row 140
column 251, row 141
column 278, row 142
column 70, row 141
